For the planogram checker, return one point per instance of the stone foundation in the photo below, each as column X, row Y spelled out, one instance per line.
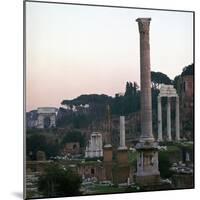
column 148, row 180
column 122, row 155
column 107, row 153
column 108, row 170
column 107, row 160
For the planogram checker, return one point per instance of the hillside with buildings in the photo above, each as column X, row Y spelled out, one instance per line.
column 75, row 136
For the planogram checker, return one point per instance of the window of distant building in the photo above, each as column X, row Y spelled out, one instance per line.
column 92, row 171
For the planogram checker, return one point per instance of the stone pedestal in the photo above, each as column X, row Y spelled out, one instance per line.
column 107, row 153
column 107, row 161
column 122, row 155
column 121, row 170
column 147, row 164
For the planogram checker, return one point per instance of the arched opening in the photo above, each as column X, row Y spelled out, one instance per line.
column 47, row 122
column 92, row 171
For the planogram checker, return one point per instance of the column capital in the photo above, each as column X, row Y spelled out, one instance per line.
column 143, row 24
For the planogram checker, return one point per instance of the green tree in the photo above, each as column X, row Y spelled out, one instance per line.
column 35, row 143
column 58, row 181
column 38, row 142
column 164, row 165
column 176, row 83
column 74, row 136
column 81, row 121
column 158, row 78
column 188, row 70
column 88, row 99
column 131, row 98
column 129, row 89
column 129, row 103
column 117, row 105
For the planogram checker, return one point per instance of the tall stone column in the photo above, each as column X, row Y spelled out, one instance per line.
column 145, row 81
column 169, row 137
column 160, row 138
column 96, row 146
column 107, row 149
column 177, row 119
column 108, row 139
column 122, row 155
column 122, row 132
column 53, row 120
column 92, row 146
column 147, row 159
column 101, row 146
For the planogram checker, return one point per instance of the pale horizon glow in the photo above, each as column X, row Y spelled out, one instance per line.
column 73, row 50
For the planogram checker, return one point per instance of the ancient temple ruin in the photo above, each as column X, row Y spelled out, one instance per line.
column 170, row 92
column 94, row 147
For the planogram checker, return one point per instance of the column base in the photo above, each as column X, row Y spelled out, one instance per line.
column 147, row 164
column 146, row 139
column 160, row 140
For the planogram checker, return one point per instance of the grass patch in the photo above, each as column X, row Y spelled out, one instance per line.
column 102, row 189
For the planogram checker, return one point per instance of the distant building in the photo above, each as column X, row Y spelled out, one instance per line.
column 46, row 117
column 43, row 117
column 185, row 89
column 31, row 119
column 89, row 170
